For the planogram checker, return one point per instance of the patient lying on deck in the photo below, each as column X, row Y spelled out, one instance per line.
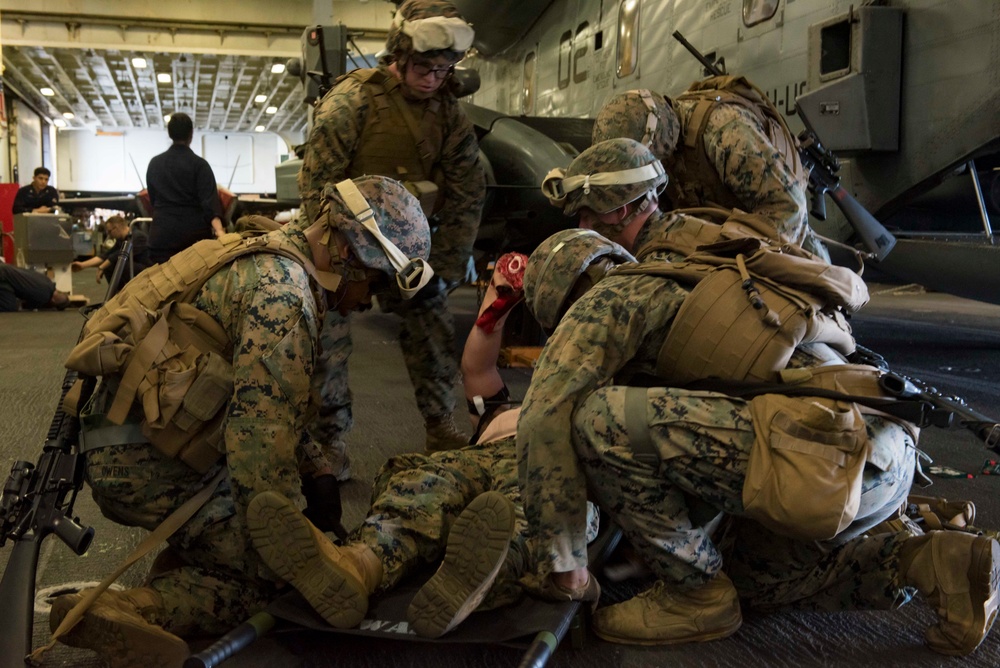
column 462, row 504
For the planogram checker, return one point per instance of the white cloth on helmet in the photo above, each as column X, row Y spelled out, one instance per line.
column 438, row 32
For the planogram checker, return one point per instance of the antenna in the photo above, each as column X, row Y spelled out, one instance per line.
column 137, row 172
column 233, row 175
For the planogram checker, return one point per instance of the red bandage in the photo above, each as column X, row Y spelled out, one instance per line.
column 508, row 281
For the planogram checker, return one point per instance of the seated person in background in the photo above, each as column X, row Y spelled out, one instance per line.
column 28, row 288
column 38, row 196
column 462, row 506
column 118, row 229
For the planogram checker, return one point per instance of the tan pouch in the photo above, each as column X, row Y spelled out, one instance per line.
column 426, row 193
column 804, row 472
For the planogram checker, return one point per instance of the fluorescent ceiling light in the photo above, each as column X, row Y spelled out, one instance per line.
column 138, row 63
column 163, row 77
column 47, row 92
column 271, row 110
column 59, row 123
column 277, row 68
column 259, row 128
column 69, row 114
column 260, row 98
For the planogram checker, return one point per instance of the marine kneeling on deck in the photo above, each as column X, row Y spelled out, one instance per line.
column 231, row 328
column 806, row 472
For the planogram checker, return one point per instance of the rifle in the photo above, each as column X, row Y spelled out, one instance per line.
column 37, row 501
column 823, row 168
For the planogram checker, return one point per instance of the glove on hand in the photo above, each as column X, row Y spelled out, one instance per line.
column 323, row 507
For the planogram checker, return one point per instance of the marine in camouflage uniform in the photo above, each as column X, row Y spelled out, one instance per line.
column 463, row 505
column 752, row 173
column 271, row 309
column 359, row 128
column 577, row 430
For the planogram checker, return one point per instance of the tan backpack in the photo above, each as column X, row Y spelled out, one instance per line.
column 159, row 352
column 751, row 303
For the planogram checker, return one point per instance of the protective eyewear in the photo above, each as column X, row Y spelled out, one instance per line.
column 422, row 70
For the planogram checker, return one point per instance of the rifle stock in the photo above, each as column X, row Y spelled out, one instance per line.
column 38, row 501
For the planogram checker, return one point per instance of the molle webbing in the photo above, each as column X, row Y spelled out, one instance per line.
column 170, row 358
column 393, row 141
column 748, row 311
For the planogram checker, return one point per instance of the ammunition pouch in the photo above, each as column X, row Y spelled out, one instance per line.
column 804, row 473
column 427, row 193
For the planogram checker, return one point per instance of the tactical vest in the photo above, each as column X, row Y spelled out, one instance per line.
column 751, row 303
column 167, row 357
column 395, row 143
column 694, row 180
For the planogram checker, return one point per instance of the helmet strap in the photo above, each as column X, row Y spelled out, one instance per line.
column 411, row 275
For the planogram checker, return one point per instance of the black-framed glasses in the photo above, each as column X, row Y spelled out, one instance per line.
column 423, row 70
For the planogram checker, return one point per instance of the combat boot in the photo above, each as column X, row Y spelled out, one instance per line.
column 959, row 573
column 336, row 581
column 662, row 616
column 117, row 627
column 476, row 548
column 442, row 434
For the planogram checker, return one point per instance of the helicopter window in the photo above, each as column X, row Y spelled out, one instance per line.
column 628, row 37
column 758, row 11
column 835, row 52
column 528, row 89
column 565, row 58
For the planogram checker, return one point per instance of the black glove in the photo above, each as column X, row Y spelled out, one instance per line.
column 323, row 506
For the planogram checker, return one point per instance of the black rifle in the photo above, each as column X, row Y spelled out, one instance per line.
column 824, row 168
column 943, row 411
column 37, row 501
column 124, row 259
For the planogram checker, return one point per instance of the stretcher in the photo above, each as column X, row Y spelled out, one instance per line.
column 536, row 626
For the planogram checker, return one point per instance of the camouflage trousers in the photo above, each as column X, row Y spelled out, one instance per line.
column 416, row 498
column 221, row 580
column 427, row 338
column 704, row 440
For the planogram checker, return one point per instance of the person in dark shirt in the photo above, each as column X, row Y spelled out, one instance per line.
column 28, row 288
column 38, row 196
column 183, row 193
column 117, row 228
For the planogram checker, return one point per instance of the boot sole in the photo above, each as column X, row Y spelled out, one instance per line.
column 476, row 548
column 122, row 643
column 285, row 541
column 984, row 579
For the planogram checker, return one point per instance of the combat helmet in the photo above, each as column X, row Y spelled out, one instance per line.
column 385, row 228
column 428, row 26
column 552, row 277
column 605, row 177
column 643, row 115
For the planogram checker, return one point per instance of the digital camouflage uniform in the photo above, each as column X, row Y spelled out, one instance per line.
column 756, row 177
column 417, row 497
column 427, row 335
column 270, row 311
column 571, row 433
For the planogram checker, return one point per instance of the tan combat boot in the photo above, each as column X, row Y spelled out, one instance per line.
column 336, row 581
column 477, row 546
column 661, row 616
column 115, row 627
column 959, row 573
column 442, row 434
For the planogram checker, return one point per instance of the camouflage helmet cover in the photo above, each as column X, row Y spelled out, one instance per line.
column 642, row 115
column 606, row 176
column 385, row 227
column 558, row 263
column 428, row 25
